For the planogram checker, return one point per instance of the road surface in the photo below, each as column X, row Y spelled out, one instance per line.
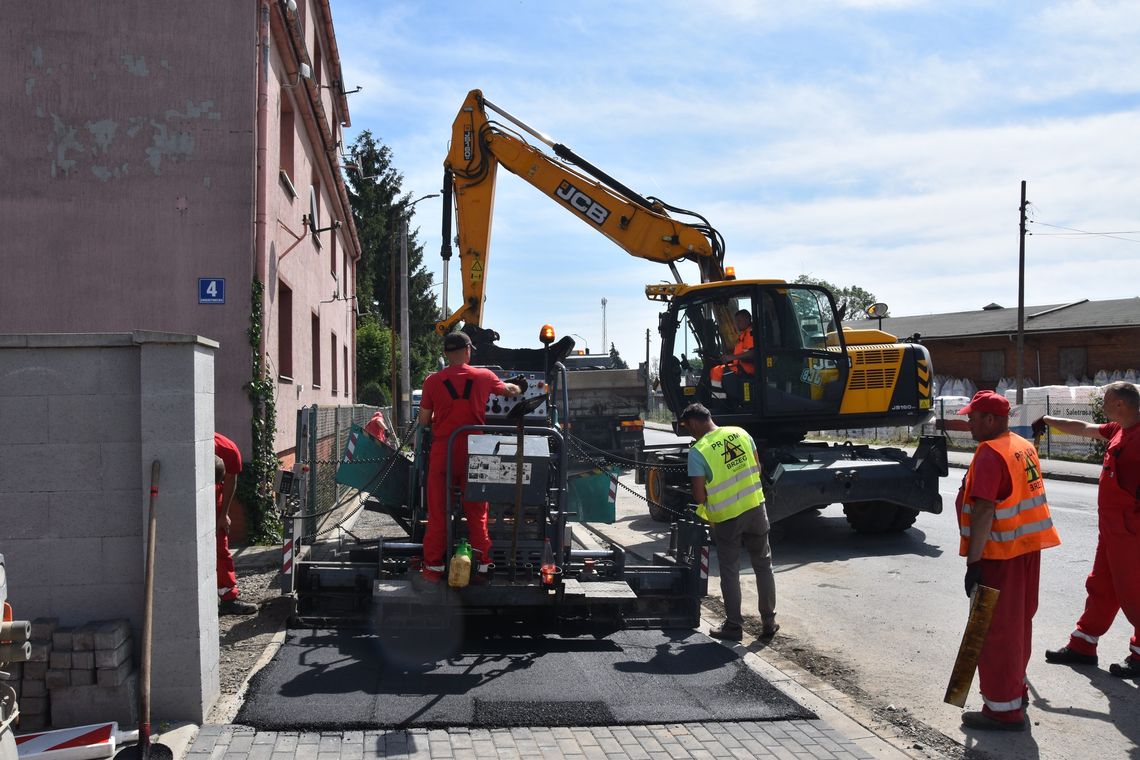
column 888, row 613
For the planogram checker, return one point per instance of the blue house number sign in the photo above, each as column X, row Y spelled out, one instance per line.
column 211, row 290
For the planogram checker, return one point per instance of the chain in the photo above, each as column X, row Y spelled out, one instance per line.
column 604, row 459
column 373, row 484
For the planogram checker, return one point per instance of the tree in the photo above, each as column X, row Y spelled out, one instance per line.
column 378, row 205
column 856, row 297
column 616, row 362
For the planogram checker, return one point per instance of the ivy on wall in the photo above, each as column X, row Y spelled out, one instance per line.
column 255, row 484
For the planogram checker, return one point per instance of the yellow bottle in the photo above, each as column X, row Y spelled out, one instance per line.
column 459, row 571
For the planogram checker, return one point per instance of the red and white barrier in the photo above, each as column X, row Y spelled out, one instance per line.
column 98, row 740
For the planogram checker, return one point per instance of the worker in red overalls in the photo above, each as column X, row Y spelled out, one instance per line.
column 1114, row 583
column 228, row 602
column 741, row 360
column 1004, row 521
column 453, row 397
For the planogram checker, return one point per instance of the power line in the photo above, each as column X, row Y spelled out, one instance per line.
column 1073, row 232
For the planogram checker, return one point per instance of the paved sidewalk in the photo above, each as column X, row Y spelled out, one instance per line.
column 711, row 741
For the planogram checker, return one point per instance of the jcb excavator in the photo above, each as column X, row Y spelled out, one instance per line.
column 808, row 371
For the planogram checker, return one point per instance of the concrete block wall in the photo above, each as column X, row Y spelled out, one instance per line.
column 82, row 418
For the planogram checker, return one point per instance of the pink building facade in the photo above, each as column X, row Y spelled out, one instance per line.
column 161, row 158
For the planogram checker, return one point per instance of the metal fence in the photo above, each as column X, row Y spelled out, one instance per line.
column 322, row 434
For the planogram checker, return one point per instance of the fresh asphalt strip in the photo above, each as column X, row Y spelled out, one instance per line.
column 346, row 680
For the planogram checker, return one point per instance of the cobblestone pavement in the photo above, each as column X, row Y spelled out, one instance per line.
column 788, row 740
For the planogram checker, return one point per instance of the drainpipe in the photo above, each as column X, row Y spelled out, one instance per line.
column 260, row 270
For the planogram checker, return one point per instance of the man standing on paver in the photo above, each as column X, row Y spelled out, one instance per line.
column 1004, row 520
column 724, row 469
column 453, row 397
column 1114, row 583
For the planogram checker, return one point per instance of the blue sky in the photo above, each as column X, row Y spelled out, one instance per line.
column 879, row 143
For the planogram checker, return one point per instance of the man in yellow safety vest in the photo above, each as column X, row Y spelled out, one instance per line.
column 724, row 469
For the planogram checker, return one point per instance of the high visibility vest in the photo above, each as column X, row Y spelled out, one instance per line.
column 1022, row 522
column 735, row 485
column 743, row 343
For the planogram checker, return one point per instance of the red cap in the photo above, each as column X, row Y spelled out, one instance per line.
column 987, row 402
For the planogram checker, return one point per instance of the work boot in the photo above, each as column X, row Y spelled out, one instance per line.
column 422, row 584
column 1130, row 668
column 236, row 607
column 728, row 632
column 983, row 722
column 1066, row 656
column 769, row 630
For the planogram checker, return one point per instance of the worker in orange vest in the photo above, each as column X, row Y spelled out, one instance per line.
column 1004, row 522
column 742, row 359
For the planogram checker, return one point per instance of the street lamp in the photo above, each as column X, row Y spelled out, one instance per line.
column 405, row 406
column 585, row 343
column 605, row 345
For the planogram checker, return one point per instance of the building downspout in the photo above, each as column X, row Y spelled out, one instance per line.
column 260, row 271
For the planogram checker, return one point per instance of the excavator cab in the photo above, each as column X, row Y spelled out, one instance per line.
column 792, row 366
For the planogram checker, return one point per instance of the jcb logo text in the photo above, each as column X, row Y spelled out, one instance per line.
column 582, row 203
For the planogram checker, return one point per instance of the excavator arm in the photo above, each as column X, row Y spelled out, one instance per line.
column 641, row 226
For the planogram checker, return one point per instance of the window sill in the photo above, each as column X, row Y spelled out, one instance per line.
column 285, row 379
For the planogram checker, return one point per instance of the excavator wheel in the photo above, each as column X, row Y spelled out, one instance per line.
column 660, row 498
column 904, row 518
column 873, row 517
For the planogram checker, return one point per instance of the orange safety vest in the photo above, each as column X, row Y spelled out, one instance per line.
column 1022, row 522
column 743, row 343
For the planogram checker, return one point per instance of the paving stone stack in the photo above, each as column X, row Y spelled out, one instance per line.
column 35, row 706
column 91, row 675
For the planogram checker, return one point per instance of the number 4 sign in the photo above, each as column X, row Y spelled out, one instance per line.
column 211, row 290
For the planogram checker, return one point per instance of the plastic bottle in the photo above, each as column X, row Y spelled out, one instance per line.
column 459, row 571
column 547, row 569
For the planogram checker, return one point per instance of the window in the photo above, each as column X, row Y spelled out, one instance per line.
column 347, row 387
column 346, row 275
column 993, row 365
column 317, row 61
column 335, row 374
column 316, row 351
column 332, row 253
column 284, row 331
column 315, row 222
column 286, row 149
column 1072, row 362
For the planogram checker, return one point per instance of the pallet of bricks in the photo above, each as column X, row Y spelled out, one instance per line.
column 78, row 675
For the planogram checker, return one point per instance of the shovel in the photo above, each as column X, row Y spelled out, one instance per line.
column 146, row 749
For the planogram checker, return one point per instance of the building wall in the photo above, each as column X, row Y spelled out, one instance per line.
column 82, row 419
column 1108, row 350
column 130, row 158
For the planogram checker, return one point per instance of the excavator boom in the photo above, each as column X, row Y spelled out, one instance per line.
column 641, row 226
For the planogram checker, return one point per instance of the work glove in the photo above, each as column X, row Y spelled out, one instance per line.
column 1039, row 427
column 973, row 576
column 518, row 380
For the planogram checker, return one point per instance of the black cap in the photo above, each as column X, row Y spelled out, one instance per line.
column 456, row 341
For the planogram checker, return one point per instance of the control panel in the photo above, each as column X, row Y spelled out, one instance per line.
column 499, row 406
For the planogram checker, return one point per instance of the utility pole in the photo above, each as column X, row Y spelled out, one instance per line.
column 1021, row 302
column 648, row 393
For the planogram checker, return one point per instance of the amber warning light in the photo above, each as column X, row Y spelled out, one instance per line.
column 730, row 273
column 546, row 335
